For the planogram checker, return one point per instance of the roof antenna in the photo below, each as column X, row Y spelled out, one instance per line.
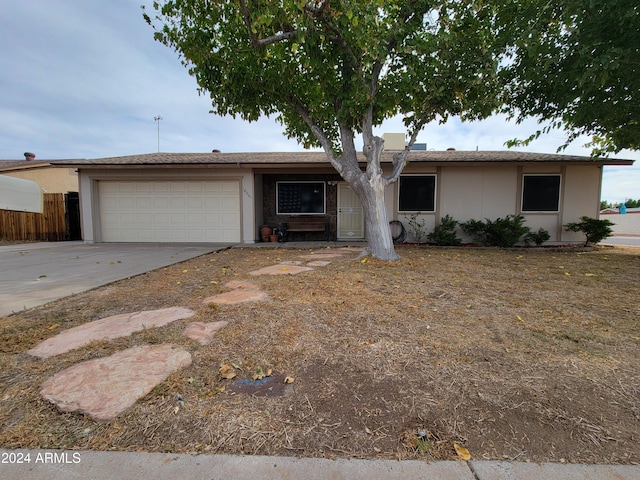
column 157, row 118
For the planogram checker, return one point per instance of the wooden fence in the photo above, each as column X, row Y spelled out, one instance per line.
column 49, row 226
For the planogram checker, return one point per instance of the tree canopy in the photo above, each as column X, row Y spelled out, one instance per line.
column 324, row 67
column 575, row 65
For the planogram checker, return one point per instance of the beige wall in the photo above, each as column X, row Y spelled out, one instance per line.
column 51, row 179
column 581, row 185
column 481, row 192
column 477, row 192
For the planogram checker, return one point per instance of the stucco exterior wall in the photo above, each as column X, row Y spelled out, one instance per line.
column 477, row 192
column 581, row 197
column 493, row 191
column 50, row 179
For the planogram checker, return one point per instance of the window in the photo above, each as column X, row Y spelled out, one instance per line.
column 417, row 193
column 540, row 193
column 300, row 197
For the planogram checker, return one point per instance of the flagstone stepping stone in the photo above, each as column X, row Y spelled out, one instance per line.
column 318, row 263
column 281, row 269
column 203, row 331
column 108, row 328
column 242, row 292
column 106, row 387
column 321, row 256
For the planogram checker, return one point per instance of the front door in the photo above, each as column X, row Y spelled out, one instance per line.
column 350, row 214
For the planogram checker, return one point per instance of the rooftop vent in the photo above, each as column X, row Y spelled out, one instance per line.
column 393, row 141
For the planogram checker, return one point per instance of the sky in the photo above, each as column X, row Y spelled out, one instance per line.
column 86, row 79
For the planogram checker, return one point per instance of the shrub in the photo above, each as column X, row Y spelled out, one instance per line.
column 595, row 230
column 503, row 232
column 416, row 227
column 538, row 237
column 445, row 233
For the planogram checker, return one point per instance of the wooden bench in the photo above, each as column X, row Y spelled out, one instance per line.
column 308, row 223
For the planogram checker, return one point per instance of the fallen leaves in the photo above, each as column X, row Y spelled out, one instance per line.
column 260, row 373
column 463, row 453
column 227, row 372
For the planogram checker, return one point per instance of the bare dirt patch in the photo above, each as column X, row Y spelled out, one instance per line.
column 521, row 354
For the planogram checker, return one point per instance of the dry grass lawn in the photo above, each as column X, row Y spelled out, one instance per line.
column 523, row 354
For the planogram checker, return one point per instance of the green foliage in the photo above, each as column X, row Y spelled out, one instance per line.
column 594, row 229
column 629, row 203
column 444, row 234
column 574, row 66
column 538, row 237
column 502, row 232
column 321, row 67
column 416, row 227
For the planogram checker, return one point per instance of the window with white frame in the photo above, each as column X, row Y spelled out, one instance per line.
column 541, row 193
column 417, row 193
column 300, row 197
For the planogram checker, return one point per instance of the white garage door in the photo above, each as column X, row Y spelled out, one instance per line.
column 169, row 211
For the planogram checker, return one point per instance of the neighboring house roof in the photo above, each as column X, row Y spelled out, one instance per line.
column 16, row 165
column 319, row 157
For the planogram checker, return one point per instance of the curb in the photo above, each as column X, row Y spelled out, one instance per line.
column 64, row 464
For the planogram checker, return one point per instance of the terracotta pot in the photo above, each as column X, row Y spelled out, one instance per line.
column 265, row 231
column 273, row 238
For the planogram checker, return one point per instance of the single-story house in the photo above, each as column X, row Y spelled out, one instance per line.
column 227, row 197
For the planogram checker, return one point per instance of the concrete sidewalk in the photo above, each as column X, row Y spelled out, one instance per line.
column 32, row 274
column 65, row 465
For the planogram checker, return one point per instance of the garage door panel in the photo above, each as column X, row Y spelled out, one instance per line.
column 144, row 203
column 177, row 203
column 195, row 203
column 176, row 211
column 160, row 187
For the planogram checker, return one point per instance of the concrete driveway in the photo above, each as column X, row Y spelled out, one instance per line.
column 33, row 274
column 626, row 240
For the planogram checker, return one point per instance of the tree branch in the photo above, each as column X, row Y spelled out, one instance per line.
column 324, row 141
column 400, row 158
column 278, row 37
column 263, row 42
column 391, row 43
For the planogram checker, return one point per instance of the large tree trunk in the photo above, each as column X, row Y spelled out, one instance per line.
column 370, row 186
column 377, row 227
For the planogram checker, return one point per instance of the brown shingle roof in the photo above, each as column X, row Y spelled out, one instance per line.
column 266, row 158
